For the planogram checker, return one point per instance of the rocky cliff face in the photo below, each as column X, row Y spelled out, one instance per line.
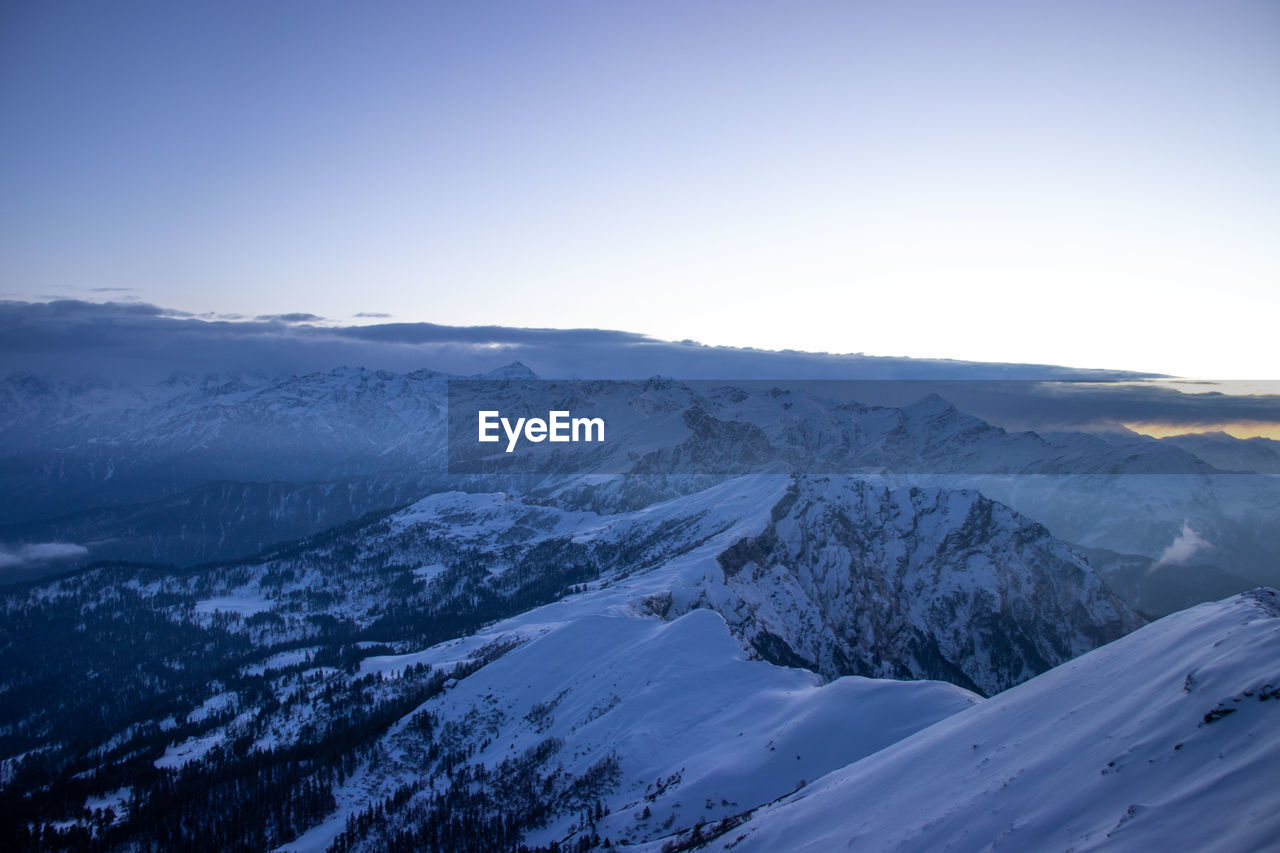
column 854, row 577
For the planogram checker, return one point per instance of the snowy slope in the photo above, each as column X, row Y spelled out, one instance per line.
column 693, row 728
column 1168, row 739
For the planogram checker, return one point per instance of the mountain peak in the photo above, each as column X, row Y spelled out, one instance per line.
column 930, row 405
column 514, row 370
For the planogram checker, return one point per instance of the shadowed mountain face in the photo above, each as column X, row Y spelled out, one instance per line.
column 69, row 448
column 220, row 520
column 1158, row 589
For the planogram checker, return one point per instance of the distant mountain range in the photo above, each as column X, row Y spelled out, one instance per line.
column 214, row 467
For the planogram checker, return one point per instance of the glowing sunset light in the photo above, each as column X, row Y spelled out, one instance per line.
column 1235, row 429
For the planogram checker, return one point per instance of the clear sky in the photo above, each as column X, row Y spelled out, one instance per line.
column 1094, row 184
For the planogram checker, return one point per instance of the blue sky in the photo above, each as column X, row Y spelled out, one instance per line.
column 1090, row 183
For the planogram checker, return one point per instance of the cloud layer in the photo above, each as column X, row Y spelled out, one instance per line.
column 138, row 340
column 144, row 343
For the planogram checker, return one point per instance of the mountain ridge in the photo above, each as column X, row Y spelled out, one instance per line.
column 1160, row 740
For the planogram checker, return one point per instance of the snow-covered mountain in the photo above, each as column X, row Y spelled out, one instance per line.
column 648, row 669
column 853, row 576
column 1165, row 740
column 567, row 656
column 839, row 575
